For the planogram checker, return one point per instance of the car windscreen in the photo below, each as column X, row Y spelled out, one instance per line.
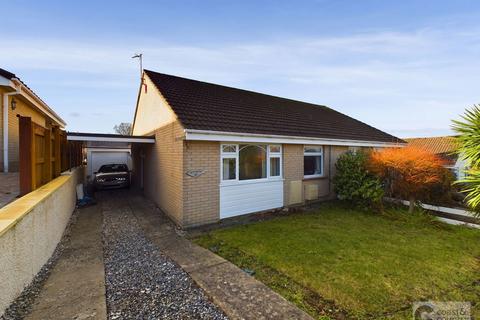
column 108, row 168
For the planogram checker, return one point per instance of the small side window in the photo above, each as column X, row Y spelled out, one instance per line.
column 312, row 161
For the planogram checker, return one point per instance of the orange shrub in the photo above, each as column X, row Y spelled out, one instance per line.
column 407, row 172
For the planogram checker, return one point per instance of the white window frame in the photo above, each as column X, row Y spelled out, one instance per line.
column 236, row 155
column 229, row 155
column 318, row 153
column 271, row 155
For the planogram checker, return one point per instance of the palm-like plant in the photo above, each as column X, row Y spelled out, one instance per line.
column 469, row 149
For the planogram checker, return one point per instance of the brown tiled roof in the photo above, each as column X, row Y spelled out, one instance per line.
column 441, row 146
column 7, row 74
column 205, row 106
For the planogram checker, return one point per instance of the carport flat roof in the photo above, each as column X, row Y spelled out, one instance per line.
column 85, row 136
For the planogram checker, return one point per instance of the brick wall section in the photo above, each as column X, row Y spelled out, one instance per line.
column 201, row 194
column 292, row 168
column 293, row 171
column 163, row 170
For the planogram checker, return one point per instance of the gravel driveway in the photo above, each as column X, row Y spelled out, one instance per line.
column 141, row 282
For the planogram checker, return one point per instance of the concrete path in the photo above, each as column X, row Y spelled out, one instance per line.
column 9, row 187
column 75, row 288
column 239, row 295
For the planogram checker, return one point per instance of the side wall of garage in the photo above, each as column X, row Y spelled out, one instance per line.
column 163, row 161
column 163, row 170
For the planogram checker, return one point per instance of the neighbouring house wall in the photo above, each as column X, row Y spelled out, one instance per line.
column 460, row 167
column 24, row 109
column 30, row 229
column 163, row 170
column 152, row 111
column 2, row 91
column 201, row 194
column 297, row 190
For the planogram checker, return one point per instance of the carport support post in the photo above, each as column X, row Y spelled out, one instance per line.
column 47, row 172
column 26, row 155
column 58, row 157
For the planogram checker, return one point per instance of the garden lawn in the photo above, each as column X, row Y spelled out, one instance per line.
column 336, row 261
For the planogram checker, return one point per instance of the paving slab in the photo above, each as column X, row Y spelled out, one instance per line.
column 9, row 187
column 75, row 288
column 241, row 296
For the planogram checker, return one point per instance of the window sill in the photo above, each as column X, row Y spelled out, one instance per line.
column 242, row 182
column 314, row 177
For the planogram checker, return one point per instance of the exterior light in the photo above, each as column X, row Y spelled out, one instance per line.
column 13, row 104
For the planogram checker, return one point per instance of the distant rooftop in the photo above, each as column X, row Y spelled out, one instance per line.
column 444, row 147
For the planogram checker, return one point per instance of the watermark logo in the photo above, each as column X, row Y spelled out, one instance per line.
column 436, row 310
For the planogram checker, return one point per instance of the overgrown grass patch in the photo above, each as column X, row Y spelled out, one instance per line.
column 335, row 261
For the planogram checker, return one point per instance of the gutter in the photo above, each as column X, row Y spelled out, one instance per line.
column 5, row 125
column 208, row 135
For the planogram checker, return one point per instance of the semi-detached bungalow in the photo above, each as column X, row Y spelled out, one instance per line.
column 222, row 152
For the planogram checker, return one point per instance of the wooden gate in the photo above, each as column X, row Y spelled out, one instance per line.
column 44, row 153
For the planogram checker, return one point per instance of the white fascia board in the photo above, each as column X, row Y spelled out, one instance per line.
column 204, row 135
column 109, row 139
column 107, row 149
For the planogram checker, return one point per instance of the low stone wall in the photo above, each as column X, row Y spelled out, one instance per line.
column 30, row 229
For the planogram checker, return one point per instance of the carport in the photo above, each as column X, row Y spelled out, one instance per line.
column 103, row 148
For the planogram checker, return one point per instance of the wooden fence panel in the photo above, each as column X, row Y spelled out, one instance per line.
column 26, row 155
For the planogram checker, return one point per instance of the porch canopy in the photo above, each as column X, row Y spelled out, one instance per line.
column 106, row 137
column 102, row 148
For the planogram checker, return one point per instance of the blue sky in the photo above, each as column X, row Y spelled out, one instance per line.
column 406, row 67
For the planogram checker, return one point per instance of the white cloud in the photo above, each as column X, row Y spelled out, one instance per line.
column 396, row 81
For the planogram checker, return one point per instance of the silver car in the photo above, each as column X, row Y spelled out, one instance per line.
column 112, row 176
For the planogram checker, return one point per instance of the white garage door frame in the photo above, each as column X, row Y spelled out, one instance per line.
column 99, row 156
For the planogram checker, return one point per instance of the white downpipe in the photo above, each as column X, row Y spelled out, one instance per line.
column 5, row 126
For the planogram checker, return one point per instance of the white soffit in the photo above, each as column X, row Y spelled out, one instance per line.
column 204, row 135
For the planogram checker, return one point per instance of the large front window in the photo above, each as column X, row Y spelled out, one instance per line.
column 250, row 161
column 312, row 161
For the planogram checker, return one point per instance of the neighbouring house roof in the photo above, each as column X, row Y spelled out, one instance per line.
column 211, row 107
column 11, row 76
column 7, row 74
column 444, row 147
